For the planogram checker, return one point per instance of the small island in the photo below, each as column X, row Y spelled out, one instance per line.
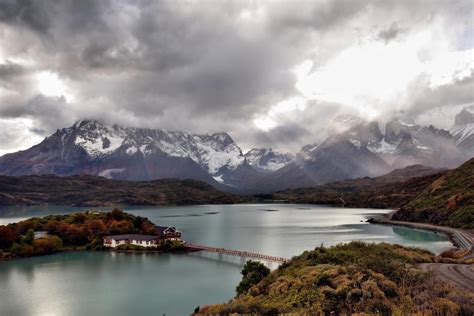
column 91, row 230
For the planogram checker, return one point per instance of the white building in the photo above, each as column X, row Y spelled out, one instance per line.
column 165, row 233
column 130, row 239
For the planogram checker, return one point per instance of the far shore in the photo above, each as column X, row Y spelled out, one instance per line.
column 8, row 256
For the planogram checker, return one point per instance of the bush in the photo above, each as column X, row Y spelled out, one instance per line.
column 132, row 247
column 172, row 245
column 28, row 238
column 42, row 246
column 253, row 272
column 47, row 245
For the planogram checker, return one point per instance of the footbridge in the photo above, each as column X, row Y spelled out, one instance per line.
column 237, row 253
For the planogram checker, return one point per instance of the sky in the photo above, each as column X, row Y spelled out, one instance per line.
column 269, row 73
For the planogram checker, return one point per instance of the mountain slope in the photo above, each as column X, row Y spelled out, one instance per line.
column 463, row 131
column 388, row 191
column 421, row 194
column 86, row 190
column 267, row 160
column 449, row 200
column 341, row 156
column 89, row 147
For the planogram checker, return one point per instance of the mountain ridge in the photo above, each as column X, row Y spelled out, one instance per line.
column 355, row 148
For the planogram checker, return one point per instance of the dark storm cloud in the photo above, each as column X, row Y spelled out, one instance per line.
column 281, row 136
column 10, row 70
column 196, row 66
column 11, row 75
column 27, row 13
column 390, row 33
column 315, row 15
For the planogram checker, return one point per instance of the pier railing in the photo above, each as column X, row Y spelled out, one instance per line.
column 238, row 253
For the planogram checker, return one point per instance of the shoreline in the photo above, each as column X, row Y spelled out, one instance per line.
column 460, row 239
column 11, row 256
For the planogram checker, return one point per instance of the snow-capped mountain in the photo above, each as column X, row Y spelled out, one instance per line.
column 266, row 159
column 407, row 143
column 354, row 148
column 212, row 152
column 129, row 153
column 463, row 131
column 357, row 148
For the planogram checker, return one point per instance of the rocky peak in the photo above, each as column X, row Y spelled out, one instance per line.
column 365, row 133
column 466, row 116
column 398, row 130
column 266, row 159
column 463, row 131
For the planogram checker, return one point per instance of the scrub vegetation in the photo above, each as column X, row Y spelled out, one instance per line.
column 354, row 278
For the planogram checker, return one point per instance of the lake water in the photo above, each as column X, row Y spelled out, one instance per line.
column 99, row 283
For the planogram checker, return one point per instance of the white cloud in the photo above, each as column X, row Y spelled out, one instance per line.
column 15, row 134
column 374, row 78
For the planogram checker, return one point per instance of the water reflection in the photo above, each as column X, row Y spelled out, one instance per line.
column 418, row 234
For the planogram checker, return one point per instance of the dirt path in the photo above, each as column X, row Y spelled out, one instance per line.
column 459, row 275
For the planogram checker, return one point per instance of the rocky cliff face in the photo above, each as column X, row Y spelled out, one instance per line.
column 463, row 131
column 406, row 143
column 267, row 160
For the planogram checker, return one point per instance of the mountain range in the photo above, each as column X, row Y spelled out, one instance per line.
column 355, row 148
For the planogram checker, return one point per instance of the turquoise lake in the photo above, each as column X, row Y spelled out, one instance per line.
column 103, row 283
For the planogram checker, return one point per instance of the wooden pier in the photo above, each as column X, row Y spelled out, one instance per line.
column 238, row 253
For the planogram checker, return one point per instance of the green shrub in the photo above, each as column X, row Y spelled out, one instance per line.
column 253, row 272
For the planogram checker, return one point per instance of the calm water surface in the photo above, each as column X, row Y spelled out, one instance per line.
column 123, row 284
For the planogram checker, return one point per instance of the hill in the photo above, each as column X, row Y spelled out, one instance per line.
column 378, row 192
column 354, row 278
column 430, row 195
column 85, row 190
column 449, row 200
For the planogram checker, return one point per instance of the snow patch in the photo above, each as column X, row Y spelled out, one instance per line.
column 383, row 147
column 355, row 142
column 267, row 159
column 98, row 146
column 131, row 150
column 274, row 165
column 108, row 173
column 219, row 179
column 462, row 132
column 215, row 159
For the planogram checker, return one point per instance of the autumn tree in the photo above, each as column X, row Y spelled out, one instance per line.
column 95, row 228
column 120, row 227
column 117, row 214
column 7, row 237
